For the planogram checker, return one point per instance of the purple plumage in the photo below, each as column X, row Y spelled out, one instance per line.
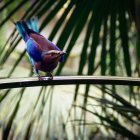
column 43, row 54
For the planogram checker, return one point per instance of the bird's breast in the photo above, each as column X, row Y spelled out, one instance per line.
column 46, row 66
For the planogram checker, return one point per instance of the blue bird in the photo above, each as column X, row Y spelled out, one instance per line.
column 43, row 54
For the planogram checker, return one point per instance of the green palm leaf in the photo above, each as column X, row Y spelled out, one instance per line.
column 104, row 28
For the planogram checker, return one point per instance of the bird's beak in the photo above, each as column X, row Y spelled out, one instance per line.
column 62, row 53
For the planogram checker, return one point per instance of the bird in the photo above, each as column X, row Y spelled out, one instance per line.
column 44, row 55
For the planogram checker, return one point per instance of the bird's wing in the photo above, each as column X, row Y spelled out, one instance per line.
column 44, row 43
column 34, row 50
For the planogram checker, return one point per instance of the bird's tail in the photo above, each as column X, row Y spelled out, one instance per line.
column 25, row 27
column 21, row 26
column 32, row 24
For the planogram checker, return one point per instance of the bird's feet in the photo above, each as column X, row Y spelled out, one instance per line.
column 40, row 78
column 50, row 76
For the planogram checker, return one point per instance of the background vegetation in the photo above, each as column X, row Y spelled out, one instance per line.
column 102, row 37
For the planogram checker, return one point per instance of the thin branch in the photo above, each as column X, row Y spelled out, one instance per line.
column 7, row 83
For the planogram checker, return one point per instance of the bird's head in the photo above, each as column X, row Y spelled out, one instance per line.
column 54, row 54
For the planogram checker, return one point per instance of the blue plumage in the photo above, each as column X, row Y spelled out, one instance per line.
column 43, row 54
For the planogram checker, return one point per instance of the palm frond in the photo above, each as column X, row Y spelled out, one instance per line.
column 103, row 28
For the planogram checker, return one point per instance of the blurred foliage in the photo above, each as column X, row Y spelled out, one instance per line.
column 110, row 34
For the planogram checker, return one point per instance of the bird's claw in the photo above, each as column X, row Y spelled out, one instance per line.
column 40, row 78
column 50, row 76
